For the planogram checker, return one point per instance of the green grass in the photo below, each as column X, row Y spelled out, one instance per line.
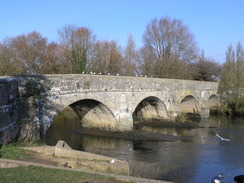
column 32, row 174
column 11, row 151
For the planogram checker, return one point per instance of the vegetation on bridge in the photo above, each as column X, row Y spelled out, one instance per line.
column 36, row 91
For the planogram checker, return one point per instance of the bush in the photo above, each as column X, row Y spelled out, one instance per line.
column 240, row 106
column 231, row 107
column 182, row 118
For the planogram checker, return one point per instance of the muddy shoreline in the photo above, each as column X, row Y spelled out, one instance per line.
column 166, row 124
column 138, row 135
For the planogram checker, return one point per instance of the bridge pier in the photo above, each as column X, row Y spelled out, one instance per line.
column 205, row 112
column 125, row 124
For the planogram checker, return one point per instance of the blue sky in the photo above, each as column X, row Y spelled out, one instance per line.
column 215, row 23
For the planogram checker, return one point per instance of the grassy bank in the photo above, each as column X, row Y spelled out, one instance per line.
column 32, row 174
column 12, row 151
column 40, row 174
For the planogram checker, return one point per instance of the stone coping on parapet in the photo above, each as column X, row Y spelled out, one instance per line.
column 105, row 76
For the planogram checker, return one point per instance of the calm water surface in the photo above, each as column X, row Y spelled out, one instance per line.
column 195, row 159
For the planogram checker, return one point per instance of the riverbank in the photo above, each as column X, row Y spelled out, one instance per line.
column 93, row 177
column 44, row 156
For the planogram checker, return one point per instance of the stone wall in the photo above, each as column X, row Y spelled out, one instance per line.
column 9, row 128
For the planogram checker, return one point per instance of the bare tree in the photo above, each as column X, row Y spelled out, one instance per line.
column 147, row 62
column 7, row 64
column 171, row 47
column 33, row 47
column 130, row 57
column 78, row 46
column 25, row 52
column 108, row 58
column 53, row 64
column 98, row 63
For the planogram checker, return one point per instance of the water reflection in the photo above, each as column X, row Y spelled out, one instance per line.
column 196, row 158
column 61, row 129
column 118, row 148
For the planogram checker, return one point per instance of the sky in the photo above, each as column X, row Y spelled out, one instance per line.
column 215, row 24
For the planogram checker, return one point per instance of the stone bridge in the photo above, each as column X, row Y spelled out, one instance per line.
column 104, row 102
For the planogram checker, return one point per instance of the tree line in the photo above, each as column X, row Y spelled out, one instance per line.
column 169, row 50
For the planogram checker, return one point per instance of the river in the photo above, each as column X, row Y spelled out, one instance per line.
column 194, row 159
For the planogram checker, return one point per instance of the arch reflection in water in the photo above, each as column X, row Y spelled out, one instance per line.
column 107, row 146
column 61, row 129
column 67, row 122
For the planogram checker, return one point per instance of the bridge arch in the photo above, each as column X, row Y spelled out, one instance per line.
column 150, row 108
column 213, row 101
column 94, row 114
column 93, row 110
column 189, row 105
